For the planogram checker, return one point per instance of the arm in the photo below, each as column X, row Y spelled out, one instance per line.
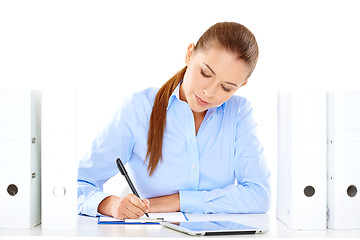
column 170, row 203
column 116, row 140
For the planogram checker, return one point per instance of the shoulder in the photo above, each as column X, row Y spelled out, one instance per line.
column 136, row 104
column 238, row 104
column 242, row 113
column 144, row 97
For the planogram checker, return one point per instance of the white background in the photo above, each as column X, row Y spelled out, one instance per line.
column 108, row 49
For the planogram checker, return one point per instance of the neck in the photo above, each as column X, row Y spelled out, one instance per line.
column 199, row 115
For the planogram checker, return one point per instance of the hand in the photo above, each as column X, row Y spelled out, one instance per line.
column 170, row 203
column 129, row 206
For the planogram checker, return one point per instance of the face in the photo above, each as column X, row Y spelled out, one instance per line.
column 211, row 78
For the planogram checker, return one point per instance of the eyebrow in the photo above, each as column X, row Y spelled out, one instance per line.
column 209, row 68
column 232, row 84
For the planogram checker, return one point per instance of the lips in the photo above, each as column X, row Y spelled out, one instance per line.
column 200, row 101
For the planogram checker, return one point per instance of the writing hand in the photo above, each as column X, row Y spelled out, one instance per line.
column 129, row 206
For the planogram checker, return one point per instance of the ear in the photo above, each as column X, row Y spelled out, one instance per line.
column 244, row 83
column 189, row 53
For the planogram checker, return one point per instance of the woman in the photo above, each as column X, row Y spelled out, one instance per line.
column 192, row 145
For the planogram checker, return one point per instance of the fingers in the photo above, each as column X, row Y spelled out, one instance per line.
column 143, row 204
column 131, row 207
column 147, row 204
column 136, row 206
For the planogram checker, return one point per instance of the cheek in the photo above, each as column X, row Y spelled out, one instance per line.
column 192, row 80
column 222, row 97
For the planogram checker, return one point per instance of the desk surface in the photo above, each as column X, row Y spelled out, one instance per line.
column 88, row 227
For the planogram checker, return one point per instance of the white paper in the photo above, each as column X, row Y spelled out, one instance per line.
column 168, row 217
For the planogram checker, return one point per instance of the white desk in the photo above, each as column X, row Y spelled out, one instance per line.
column 88, row 228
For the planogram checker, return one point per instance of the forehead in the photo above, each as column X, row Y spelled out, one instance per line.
column 225, row 64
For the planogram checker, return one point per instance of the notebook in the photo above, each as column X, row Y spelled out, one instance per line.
column 155, row 218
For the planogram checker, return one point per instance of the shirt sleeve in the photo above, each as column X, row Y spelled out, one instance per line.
column 115, row 141
column 251, row 193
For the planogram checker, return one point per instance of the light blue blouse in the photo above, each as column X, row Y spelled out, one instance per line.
column 220, row 170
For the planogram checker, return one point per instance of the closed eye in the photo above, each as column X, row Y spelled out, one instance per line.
column 204, row 74
column 225, row 89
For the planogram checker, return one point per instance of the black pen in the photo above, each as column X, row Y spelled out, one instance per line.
column 123, row 172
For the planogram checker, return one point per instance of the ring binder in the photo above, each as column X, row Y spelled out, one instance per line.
column 343, row 160
column 19, row 158
column 59, row 163
column 301, row 198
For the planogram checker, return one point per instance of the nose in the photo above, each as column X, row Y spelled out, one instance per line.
column 209, row 91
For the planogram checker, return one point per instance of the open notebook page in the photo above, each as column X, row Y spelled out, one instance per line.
column 169, row 217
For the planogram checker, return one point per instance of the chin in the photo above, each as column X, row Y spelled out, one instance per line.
column 198, row 109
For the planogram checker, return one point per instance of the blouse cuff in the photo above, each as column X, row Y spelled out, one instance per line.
column 191, row 201
column 93, row 204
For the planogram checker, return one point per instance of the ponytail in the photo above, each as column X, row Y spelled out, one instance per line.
column 158, row 120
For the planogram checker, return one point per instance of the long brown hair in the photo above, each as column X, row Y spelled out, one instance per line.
column 231, row 36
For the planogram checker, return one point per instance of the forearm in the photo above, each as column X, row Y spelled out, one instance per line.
column 170, row 203
column 104, row 207
column 250, row 198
